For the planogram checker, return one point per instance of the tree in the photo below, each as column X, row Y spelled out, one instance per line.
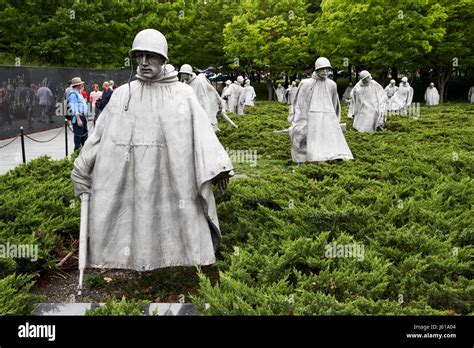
column 455, row 50
column 377, row 34
column 269, row 35
column 64, row 33
column 173, row 19
column 83, row 35
column 205, row 37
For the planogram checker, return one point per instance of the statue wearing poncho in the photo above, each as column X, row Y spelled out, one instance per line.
column 207, row 96
column 369, row 101
column 281, row 94
column 402, row 98
column 316, row 134
column 248, row 94
column 432, row 95
column 232, row 94
column 149, row 172
column 391, row 89
column 292, row 93
column 470, row 95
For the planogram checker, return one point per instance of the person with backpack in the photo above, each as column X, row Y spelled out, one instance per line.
column 66, row 110
column 78, row 111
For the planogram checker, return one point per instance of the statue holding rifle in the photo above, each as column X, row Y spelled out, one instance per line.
column 148, row 168
column 206, row 94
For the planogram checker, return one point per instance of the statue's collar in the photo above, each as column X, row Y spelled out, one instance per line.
column 170, row 75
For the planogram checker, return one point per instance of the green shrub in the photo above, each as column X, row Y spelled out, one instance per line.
column 114, row 308
column 95, row 281
column 7, row 266
column 37, row 207
column 15, row 298
column 407, row 197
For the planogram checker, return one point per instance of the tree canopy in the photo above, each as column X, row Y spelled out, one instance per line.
column 275, row 37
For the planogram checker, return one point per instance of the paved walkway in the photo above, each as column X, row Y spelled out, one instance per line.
column 10, row 156
column 162, row 309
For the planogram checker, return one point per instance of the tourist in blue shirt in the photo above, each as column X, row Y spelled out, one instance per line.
column 78, row 109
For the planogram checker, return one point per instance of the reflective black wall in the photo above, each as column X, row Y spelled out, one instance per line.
column 19, row 104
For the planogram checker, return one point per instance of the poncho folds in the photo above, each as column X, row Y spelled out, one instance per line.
column 369, row 106
column 281, row 94
column 402, row 99
column 207, row 96
column 248, row 95
column 432, row 96
column 291, row 94
column 234, row 102
column 316, row 134
column 149, row 172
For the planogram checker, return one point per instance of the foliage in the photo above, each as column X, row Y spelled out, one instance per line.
column 95, row 281
column 113, row 308
column 64, row 33
column 269, row 36
column 378, row 34
column 455, row 50
column 37, row 207
column 273, row 37
column 7, row 266
column 15, row 298
column 98, row 34
column 406, row 197
column 405, row 36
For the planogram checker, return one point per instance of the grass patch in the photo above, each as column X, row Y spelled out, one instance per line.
column 406, row 197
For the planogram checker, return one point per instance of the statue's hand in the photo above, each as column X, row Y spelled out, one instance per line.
column 223, row 182
column 303, row 144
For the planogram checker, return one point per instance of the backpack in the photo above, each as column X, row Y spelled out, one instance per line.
column 67, row 107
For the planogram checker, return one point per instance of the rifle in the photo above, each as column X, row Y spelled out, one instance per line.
column 83, row 236
column 227, row 118
column 282, row 131
column 343, row 127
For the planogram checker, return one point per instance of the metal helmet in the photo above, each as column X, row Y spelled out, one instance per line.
column 404, row 79
column 186, row 69
column 240, row 79
column 364, row 74
column 322, row 62
column 150, row 40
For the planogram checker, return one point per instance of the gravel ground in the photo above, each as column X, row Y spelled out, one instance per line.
column 61, row 287
column 165, row 285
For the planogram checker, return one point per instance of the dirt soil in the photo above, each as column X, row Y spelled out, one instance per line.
column 173, row 284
